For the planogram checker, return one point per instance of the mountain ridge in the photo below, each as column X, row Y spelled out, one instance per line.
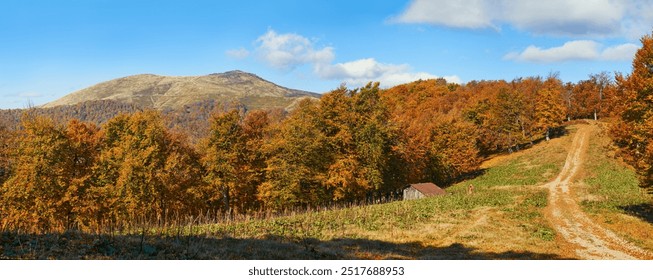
column 171, row 92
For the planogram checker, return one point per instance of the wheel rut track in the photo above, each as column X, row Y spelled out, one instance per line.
column 590, row 240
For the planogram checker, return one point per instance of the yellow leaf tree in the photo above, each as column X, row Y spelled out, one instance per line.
column 143, row 171
column 634, row 130
column 41, row 194
column 549, row 111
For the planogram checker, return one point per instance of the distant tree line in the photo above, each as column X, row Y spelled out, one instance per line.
column 122, row 163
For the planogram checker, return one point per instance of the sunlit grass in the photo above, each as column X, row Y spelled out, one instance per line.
column 612, row 196
column 534, row 166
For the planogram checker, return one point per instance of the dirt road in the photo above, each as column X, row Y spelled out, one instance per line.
column 588, row 239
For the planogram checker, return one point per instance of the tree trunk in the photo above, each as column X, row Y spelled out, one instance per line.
column 595, row 115
column 548, row 134
column 226, row 200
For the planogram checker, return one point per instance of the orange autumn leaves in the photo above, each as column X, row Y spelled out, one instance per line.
column 340, row 149
column 78, row 176
column 633, row 130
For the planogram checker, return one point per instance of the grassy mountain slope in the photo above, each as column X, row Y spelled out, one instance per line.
column 162, row 92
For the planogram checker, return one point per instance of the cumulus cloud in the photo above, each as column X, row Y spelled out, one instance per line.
column 367, row 68
column 640, row 20
column 241, row 53
column 462, row 14
column 625, row 52
column 362, row 71
column 289, row 51
column 575, row 50
column 552, row 17
column 563, row 17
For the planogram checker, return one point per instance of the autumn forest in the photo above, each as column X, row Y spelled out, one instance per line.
column 60, row 173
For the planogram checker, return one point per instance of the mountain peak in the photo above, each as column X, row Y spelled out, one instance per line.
column 235, row 72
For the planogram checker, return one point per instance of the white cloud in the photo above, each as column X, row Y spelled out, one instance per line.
column 362, row 71
column 616, row 18
column 241, row 53
column 640, row 19
column 367, row 68
column 289, row 51
column 564, row 17
column 625, row 52
column 462, row 14
column 575, row 50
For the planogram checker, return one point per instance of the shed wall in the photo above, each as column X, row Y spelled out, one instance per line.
column 411, row 193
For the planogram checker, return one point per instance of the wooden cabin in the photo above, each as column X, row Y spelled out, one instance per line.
column 422, row 190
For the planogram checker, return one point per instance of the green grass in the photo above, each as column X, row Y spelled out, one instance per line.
column 613, row 185
column 530, row 211
column 404, row 215
column 529, row 167
column 517, row 172
column 611, row 195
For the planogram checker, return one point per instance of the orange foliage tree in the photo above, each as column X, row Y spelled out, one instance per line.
column 434, row 142
column 44, row 191
column 297, row 159
column 256, row 131
column 84, row 148
column 453, row 150
column 223, row 158
column 373, row 139
column 549, row 107
column 338, row 149
column 634, row 129
column 507, row 118
column 7, row 143
column 234, row 160
column 143, row 171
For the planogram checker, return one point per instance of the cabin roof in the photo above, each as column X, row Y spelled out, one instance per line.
column 428, row 189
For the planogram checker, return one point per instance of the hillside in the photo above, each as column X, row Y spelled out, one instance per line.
column 512, row 214
column 163, row 92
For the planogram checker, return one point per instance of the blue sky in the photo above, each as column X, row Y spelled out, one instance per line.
column 51, row 48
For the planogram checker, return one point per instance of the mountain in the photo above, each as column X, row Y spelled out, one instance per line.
column 165, row 92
